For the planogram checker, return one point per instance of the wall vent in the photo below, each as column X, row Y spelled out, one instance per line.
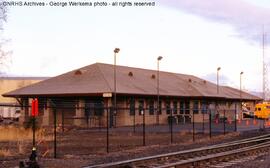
column 78, row 72
column 153, row 76
column 130, row 74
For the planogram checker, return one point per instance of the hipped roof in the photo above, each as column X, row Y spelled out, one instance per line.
column 98, row 78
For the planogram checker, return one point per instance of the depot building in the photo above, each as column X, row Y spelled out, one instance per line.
column 81, row 97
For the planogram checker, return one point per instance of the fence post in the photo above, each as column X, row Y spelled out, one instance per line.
column 87, row 119
column 171, row 126
column 99, row 123
column 193, row 126
column 235, row 118
column 210, row 125
column 134, row 127
column 107, row 129
column 224, row 122
column 54, row 114
column 143, row 127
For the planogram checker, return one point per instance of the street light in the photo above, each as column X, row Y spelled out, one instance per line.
column 116, row 50
column 241, row 73
column 240, row 94
column 218, row 69
column 158, row 59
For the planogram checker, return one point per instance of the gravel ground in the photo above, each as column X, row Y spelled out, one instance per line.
column 74, row 158
column 258, row 162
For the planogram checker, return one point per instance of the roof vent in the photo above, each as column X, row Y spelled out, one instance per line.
column 189, row 80
column 78, row 72
column 130, row 74
column 153, row 76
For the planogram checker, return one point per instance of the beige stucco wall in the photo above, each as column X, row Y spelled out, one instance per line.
column 7, row 85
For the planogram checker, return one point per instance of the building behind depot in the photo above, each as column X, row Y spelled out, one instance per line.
column 10, row 107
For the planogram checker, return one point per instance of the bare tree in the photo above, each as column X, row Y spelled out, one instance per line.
column 4, row 55
column 3, row 14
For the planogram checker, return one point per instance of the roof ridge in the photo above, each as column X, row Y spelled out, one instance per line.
column 139, row 68
column 103, row 77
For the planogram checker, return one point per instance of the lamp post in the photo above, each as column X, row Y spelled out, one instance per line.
column 158, row 59
column 241, row 73
column 240, row 94
column 116, row 50
column 218, row 69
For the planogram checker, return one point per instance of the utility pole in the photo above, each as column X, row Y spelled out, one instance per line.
column 265, row 69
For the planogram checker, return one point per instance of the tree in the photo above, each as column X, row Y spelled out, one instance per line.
column 4, row 55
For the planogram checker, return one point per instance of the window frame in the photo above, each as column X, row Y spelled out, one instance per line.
column 132, row 109
column 168, row 107
column 175, row 107
column 141, row 106
column 151, row 107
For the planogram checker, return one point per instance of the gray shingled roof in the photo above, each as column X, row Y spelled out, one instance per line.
column 97, row 78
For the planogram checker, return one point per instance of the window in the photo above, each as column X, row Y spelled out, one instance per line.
column 88, row 108
column 141, row 107
column 93, row 107
column 99, row 108
column 151, row 107
column 168, row 108
column 196, row 107
column 182, row 107
column 132, row 107
column 204, row 107
column 174, row 107
column 187, row 107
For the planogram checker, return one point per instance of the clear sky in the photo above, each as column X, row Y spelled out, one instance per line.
column 193, row 36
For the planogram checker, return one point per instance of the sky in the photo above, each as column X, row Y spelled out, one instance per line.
column 193, row 36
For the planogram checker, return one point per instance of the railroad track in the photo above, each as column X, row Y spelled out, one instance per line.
column 199, row 157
